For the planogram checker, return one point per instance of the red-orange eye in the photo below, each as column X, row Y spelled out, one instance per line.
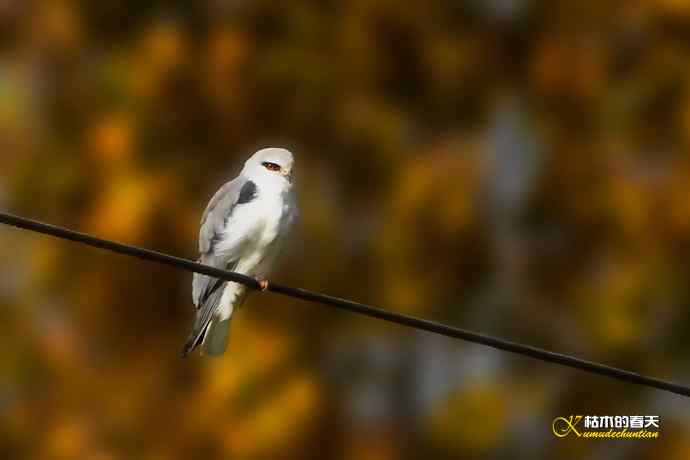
column 270, row 166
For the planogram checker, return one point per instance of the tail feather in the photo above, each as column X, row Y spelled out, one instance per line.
column 203, row 320
column 216, row 338
column 194, row 341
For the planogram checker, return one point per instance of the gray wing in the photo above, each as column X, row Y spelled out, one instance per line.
column 213, row 222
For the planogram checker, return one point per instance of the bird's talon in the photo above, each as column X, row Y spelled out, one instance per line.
column 263, row 284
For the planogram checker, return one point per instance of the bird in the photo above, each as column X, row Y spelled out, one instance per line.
column 243, row 229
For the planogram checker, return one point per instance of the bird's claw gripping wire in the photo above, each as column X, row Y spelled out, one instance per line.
column 263, row 283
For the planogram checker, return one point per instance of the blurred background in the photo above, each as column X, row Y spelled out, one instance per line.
column 515, row 167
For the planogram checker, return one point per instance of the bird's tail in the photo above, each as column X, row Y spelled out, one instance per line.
column 216, row 338
column 212, row 325
column 204, row 318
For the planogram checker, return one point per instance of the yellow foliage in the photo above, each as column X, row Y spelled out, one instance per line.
column 474, row 419
column 112, row 139
column 121, row 118
column 67, row 439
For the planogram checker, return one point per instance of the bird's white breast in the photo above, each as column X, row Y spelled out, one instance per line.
column 260, row 224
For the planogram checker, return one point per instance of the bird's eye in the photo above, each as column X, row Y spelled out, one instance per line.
column 270, row 166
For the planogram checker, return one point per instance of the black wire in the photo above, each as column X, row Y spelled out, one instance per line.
column 344, row 304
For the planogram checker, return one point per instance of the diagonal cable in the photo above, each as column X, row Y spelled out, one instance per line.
column 344, row 304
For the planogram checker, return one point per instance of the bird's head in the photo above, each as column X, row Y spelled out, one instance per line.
column 270, row 163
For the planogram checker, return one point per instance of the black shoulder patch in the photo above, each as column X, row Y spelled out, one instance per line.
column 247, row 193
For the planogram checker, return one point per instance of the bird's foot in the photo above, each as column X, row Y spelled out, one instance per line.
column 263, row 283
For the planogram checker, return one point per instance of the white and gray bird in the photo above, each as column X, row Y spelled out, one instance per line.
column 243, row 229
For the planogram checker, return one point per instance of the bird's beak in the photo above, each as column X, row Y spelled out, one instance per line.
column 287, row 174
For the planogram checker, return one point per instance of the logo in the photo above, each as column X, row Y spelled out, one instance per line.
column 607, row 426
